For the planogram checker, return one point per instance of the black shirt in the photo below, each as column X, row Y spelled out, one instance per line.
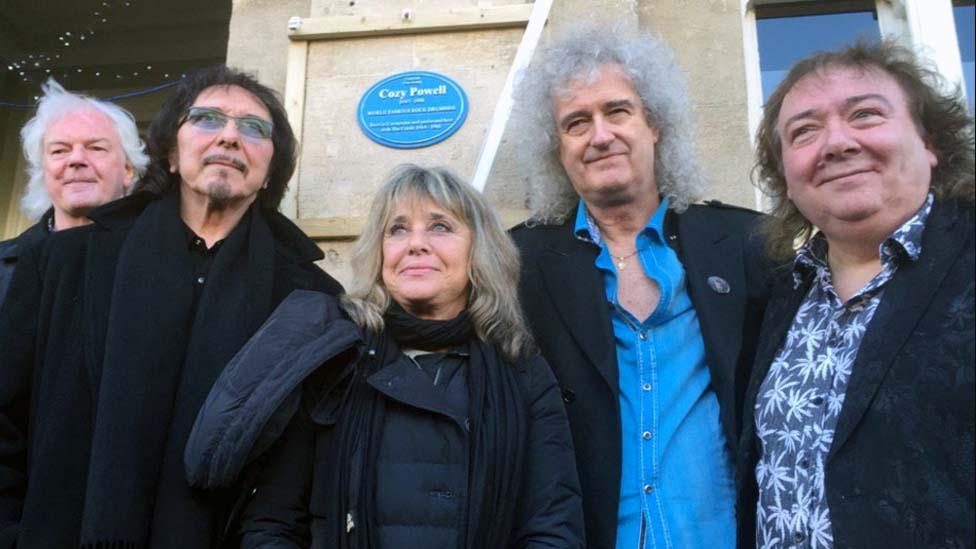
column 201, row 259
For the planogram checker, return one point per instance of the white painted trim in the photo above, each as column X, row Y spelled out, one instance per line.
column 933, row 30
column 410, row 21
column 892, row 21
column 750, row 48
column 295, row 107
column 503, row 107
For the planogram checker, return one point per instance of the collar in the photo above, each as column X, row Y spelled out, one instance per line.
column 294, row 244
column 904, row 242
column 199, row 245
column 587, row 230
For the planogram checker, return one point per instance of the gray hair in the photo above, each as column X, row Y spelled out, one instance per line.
column 54, row 103
column 578, row 55
column 493, row 268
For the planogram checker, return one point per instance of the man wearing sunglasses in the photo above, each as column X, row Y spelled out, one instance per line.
column 140, row 312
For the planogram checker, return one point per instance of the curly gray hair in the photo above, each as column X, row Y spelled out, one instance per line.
column 580, row 54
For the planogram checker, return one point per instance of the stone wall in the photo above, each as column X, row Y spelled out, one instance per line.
column 340, row 167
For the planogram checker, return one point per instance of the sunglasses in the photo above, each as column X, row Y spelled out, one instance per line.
column 208, row 119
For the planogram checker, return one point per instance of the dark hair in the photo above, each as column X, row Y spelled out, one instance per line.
column 164, row 127
column 940, row 117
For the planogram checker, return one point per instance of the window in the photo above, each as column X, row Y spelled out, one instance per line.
column 964, row 16
column 787, row 34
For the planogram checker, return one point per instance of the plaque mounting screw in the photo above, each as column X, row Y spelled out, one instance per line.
column 407, row 14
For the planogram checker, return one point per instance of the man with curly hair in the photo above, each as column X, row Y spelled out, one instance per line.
column 641, row 300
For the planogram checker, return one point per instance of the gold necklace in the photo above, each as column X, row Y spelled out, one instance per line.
column 621, row 260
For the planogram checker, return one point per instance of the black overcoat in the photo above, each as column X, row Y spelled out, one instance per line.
column 11, row 250
column 53, row 336
column 899, row 472
column 565, row 303
column 423, row 473
column 303, row 359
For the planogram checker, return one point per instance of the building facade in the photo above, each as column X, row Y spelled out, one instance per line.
column 322, row 55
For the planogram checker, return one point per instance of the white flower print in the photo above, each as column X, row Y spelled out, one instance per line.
column 819, row 528
column 803, row 393
column 775, row 396
column 789, row 438
column 798, row 404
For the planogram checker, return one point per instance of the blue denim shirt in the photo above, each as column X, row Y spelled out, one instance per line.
column 676, row 485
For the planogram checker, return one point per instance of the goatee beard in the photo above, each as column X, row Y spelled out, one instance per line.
column 219, row 195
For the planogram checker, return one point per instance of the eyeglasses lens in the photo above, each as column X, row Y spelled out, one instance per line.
column 211, row 120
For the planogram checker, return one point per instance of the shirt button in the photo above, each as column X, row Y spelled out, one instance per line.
column 805, row 463
column 646, row 386
column 201, row 280
column 642, row 335
column 647, row 435
column 798, row 537
column 817, row 401
column 648, row 488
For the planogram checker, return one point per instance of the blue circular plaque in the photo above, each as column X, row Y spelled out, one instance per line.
column 412, row 109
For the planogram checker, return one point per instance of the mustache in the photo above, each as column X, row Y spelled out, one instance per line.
column 592, row 154
column 225, row 159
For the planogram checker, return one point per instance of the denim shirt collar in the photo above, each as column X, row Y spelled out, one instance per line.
column 587, row 230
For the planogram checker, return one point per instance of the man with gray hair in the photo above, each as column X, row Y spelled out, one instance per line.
column 81, row 153
column 644, row 303
column 120, row 328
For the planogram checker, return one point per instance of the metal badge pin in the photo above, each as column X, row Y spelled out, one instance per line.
column 719, row 285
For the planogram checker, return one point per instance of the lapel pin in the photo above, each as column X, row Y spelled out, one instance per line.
column 718, row 285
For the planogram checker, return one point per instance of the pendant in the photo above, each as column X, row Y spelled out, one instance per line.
column 621, row 265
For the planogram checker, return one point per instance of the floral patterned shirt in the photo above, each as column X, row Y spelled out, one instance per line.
column 801, row 397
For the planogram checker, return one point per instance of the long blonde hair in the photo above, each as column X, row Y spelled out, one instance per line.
column 493, row 267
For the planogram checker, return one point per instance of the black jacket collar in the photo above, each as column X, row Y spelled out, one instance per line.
column 294, row 243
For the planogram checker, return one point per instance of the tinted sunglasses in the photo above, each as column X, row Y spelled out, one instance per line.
column 208, row 119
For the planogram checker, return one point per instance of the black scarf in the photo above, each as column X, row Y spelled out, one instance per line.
column 497, row 439
column 411, row 332
column 136, row 494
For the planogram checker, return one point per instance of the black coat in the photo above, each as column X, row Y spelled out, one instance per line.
column 565, row 303
column 422, row 469
column 899, row 472
column 11, row 250
column 51, row 374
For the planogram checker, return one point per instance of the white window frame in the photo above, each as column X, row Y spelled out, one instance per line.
column 926, row 26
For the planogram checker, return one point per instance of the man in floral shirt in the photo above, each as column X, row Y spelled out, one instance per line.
column 859, row 419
